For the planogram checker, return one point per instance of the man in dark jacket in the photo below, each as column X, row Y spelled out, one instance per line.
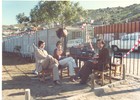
column 95, row 64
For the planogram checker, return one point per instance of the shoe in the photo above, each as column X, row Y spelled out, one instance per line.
column 72, row 79
column 57, row 82
column 35, row 72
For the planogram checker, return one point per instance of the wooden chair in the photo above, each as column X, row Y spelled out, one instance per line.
column 117, row 63
column 106, row 72
column 44, row 72
column 63, row 69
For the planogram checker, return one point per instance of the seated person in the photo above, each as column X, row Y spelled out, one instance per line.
column 65, row 61
column 44, row 61
column 97, row 64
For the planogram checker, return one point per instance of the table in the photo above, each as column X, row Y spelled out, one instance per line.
column 80, row 58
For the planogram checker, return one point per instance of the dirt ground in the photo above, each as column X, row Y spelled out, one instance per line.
column 17, row 76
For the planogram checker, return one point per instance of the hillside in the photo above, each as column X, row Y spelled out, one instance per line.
column 100, row 16
column 115, row 14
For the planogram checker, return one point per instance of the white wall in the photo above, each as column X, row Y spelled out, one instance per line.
column 52, row 40
column 26, row 41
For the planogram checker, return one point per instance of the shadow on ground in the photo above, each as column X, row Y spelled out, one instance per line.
column 39, row 89
column 16, row 59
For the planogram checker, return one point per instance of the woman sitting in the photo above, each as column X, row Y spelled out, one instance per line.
column 65, row 61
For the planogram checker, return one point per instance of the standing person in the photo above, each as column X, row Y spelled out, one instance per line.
column 90, row 65
column 65, row 61
column 44, row 61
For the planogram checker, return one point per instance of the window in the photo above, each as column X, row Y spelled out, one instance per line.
column 133, row 37
column 125, row 38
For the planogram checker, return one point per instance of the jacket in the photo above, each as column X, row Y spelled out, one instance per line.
column 56, row 56
column 103, row 56
column 43, row 59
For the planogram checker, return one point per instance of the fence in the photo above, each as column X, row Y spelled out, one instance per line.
column 109, row 33
column 121, row 38
column 130, row 27
column 26, row 40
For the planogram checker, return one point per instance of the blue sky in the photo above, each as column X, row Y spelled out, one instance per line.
column 11, row 8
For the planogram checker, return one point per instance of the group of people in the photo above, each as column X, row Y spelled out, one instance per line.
column 45, row 60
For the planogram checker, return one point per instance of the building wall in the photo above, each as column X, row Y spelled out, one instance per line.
column 130, row 27
column 26, row 40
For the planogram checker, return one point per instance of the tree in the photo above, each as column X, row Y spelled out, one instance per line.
column 51, row 12
column 62, row 12
column 22, row 18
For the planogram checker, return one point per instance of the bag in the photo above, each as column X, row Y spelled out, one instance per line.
column 75, row 51
column 87, row 53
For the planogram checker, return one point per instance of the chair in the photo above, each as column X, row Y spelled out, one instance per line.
column 106, row 72
column 117, row 63
column 43, row 71
column 62, row 69
column 66, row 70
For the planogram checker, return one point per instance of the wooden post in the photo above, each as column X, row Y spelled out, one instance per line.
column 123, row 72
column 27, row 94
